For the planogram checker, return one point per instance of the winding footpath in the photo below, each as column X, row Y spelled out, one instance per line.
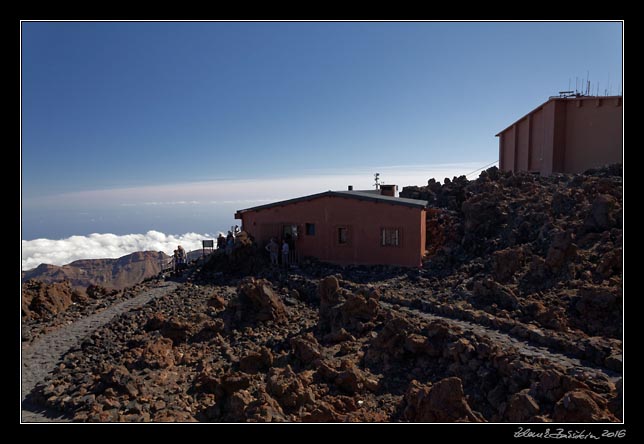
column 524, row 348
column 41, row 357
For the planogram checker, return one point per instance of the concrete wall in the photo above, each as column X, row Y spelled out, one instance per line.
column 363, row 219
column 564, row 135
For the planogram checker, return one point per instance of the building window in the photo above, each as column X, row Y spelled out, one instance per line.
column 390, row 237
column 310, row 229
column 343, row 235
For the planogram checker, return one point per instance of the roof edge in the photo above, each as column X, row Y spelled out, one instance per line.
column 550, row 100
column 420, row 204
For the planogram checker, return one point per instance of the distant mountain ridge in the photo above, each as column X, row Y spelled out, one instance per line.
column 109, row 273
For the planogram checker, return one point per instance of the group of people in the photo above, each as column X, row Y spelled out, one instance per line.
column 227, row 243
column 274, row 248
column 179, row 259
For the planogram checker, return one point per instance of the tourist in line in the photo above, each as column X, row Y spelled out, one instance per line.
column 175, row 260
column 230, row 243
column 180, row 259
column 221, row 241
column 273, row 249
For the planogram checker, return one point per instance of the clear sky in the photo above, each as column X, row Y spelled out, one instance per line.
column 136, row 126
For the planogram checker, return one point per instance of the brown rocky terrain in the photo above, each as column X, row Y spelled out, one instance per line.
column 109, row 273
column 515, row 317
column 46, row 307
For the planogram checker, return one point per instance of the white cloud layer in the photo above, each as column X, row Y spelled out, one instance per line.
column 100, row 246
column 250, row 192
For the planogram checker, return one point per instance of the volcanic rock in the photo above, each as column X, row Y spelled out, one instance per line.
column 443, row 401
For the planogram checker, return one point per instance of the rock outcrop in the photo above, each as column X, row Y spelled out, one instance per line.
column 41, row 300
column 443, row 401
column 257, row 302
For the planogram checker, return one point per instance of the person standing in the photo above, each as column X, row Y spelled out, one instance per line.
column 273, row 250
column 285, row 252
column 182, row 258
column 175, row 260
column 230, row 243
column 221, row 242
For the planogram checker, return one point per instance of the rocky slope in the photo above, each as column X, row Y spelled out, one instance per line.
column 546, row 251
column 109, row 273
column 47, row 307
column 516, row 317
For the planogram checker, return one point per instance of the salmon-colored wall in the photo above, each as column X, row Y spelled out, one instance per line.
column 564, row 135
column 507, row 149
column 559, row 137
column 593, row 134
column 523, row 145
column 537, row 137
column 364, row 220
column 547, row 158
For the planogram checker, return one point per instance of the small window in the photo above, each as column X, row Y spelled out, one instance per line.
column 390, row 237
column 343, row 235
column 310, row 229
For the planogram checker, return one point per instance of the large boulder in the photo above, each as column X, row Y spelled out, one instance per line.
column 392, row 344
column 158, row 353
column 306, row 348
column 582, row 406
column 340, row 309
column 41, row 300
column 443, row 401
column 328, row 292
column 561, row 250
column 522, row 407
column 256, row 361
column 257, row 302
column 488, row 292
column 602, row 213
column 506, row 263
column 285, row 386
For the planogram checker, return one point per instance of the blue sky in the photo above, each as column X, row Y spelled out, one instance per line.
column 124, row 123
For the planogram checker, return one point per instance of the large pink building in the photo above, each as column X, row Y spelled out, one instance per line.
column 564, row 135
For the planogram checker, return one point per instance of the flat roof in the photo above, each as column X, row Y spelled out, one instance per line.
column 551, row 99
column 366, row 195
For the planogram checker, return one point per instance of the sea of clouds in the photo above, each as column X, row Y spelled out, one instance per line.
column 106, row 245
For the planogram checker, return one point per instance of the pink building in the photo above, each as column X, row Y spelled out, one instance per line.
column 564, row 135
column 345, row 227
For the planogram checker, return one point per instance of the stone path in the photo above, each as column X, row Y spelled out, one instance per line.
column 40, row 358
column 523, row 347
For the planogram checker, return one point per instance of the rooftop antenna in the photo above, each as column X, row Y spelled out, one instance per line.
column 376, row 178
